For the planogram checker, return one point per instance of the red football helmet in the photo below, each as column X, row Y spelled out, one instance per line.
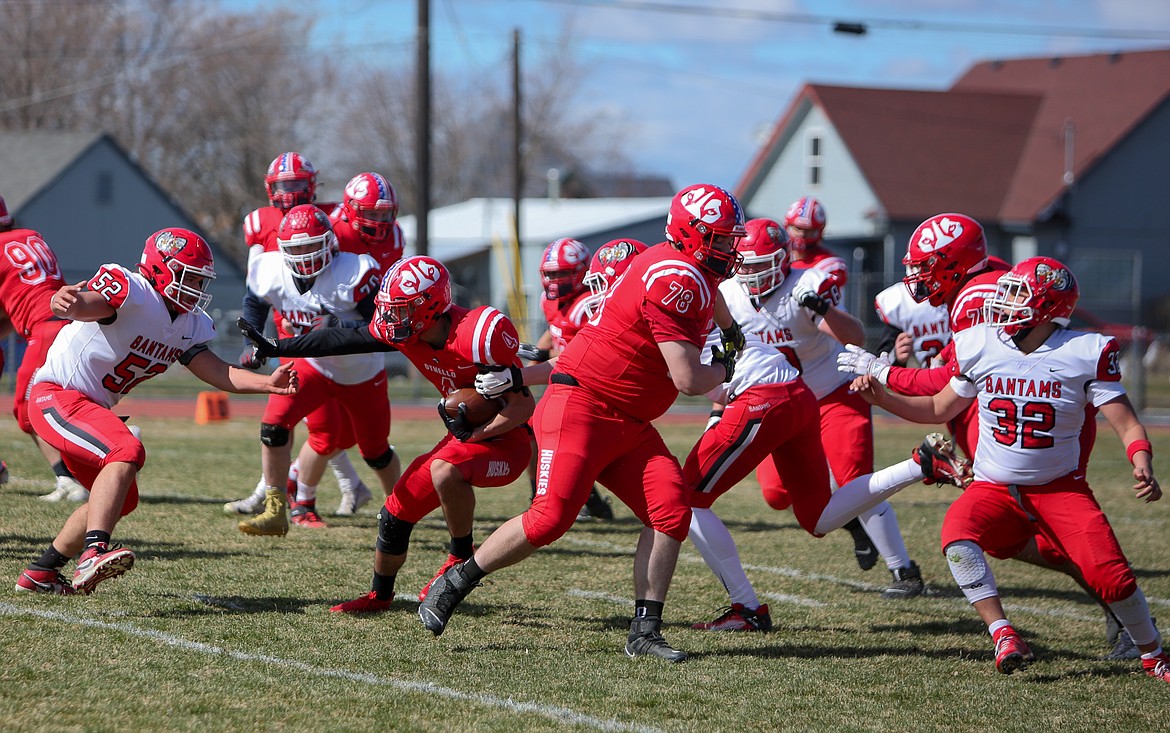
column 609, row 262
column 699, row 216
column 371, row 205
column 805, row 222
column 765, row 257
column 562, row 268
column 413, row 295
column 5, row 217
column 306, row 240
column 1035, row 291
column 291, row 181
column 179, row 265
column 943, row 250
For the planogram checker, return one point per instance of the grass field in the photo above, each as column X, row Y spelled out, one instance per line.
column 214, row 630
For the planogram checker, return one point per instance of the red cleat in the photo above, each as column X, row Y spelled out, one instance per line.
column 369, row 603
column 1011, row 653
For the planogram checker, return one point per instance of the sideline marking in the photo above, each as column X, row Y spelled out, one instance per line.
column 503, row 703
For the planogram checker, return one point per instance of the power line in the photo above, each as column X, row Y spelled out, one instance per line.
column 725, row 11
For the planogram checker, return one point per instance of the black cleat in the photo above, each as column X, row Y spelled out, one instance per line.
column 863, row 547
column 646, row 639
column 596, row 507
column 446, row 592
column 907, row 583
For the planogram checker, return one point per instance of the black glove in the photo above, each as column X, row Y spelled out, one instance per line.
column 814, row 303
column 529, row 352
column 726, row 358
column 457, row 426
column 732, row 338
column 264, row 345
column 250, row 358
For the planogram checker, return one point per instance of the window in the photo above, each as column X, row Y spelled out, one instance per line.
column 105, row 188
column 812, row 159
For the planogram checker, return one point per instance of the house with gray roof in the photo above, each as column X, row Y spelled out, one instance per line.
column 93, row 204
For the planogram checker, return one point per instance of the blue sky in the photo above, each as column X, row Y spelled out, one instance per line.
column 696, row 88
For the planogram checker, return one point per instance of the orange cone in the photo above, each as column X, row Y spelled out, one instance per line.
column 211, row 407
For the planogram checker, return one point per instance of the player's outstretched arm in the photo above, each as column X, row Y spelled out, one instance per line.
column 689, row 374
column 1124, row 421
column 932, row 410
column 230, row 378
column 320, row 342
column 71, row 302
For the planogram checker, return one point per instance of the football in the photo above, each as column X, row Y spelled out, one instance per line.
column 480, row 409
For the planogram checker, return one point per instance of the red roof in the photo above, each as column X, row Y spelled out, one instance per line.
column 992, row 146
column 1104, row 96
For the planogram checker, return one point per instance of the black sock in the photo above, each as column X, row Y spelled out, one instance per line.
column 471, row 570
column 644, row 608
column 50, row 560
column 97, row 538
column 383, row 586
column 461, row 547
column 59, row 469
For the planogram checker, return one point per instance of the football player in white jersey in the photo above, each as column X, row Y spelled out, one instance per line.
column 913, row 329
column 1033, row 379
column 126, row 328
column 310, row 284
column 798, row 314
column 772, row 416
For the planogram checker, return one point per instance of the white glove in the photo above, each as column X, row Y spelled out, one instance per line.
column 495, row 383
column 713, row 420
column 816, row 291
column 856, row 360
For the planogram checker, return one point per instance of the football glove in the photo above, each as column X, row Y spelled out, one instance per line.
column 726, row 358
column 250, row 358
column 495, row 381
column 732, row 339
column 856, row 360
column 457, row 425
column 529, row 352
column 808, row 298
column 264, row 346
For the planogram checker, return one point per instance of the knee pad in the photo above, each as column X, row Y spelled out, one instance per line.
column 381, row 461
column 273, row 436
column 969, row 567
column 393, row 533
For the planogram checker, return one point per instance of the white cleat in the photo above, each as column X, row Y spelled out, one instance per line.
column 67, row 490
column 253, row 504
column 351, row 501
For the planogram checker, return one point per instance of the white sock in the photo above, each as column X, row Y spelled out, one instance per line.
column 347, row 475
column 305, row 493
column 866, row 492
column 997, row 625
column 261, row 487
column 294, row 469
column 881, row 524
column 713, row 541
column 1134, row 613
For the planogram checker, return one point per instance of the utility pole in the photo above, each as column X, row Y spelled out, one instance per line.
column 423, row 126
column 517, row 134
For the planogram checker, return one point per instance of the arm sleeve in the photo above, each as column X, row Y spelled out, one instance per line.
column 909, row 381
column 332, row 342
column 255, row 311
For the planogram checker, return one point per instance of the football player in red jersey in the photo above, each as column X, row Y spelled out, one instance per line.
column 1029, row 461
column 947, row 264
column 29, row 277
column 805, row 224
column 123, row 328
column 594, row 422
column 449, row 345
column 309, row 283
column 564, row 302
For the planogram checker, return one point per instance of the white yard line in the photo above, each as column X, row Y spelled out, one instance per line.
column 552, row 712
